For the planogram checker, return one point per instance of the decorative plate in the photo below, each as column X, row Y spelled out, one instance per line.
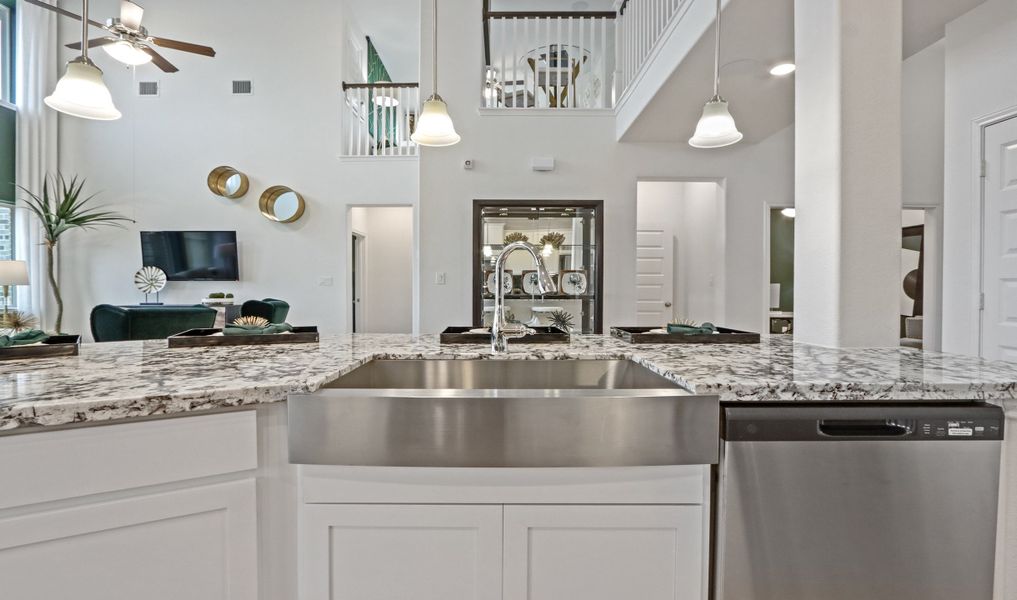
column 530, row 279
column 506, row 282
column 150, row 280
column 573, row 283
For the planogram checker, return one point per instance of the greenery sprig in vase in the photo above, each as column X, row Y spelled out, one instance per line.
column 61, row 208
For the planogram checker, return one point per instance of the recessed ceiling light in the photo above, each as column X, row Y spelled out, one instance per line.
column 783, row 69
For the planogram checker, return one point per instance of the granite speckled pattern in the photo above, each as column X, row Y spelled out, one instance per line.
column 122, row 380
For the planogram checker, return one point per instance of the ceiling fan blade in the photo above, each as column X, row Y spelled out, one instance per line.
column 159, row 61
column 183, row 46
column 93, row 43
column 61, row 11
column 130, row 14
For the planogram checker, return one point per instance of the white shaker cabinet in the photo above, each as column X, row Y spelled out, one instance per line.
column 603, row 552
column 413, row 552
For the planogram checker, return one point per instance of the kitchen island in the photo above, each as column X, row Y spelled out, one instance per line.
column 98, row 482
column 123, row 380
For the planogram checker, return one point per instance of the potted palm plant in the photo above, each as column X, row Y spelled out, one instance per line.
column 60, row 209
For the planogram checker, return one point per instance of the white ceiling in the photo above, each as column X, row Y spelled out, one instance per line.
column 758, row 34
column 394, row 28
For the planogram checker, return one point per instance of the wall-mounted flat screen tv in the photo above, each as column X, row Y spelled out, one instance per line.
column 192, row 255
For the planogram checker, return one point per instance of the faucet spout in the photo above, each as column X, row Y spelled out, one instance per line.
column 501, row 330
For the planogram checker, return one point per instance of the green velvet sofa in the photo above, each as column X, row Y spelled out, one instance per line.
column 147, row 322
column 270, row 308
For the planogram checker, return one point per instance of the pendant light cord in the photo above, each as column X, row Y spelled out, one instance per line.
column 716, row 56
column 434, row 49
column 84, row 29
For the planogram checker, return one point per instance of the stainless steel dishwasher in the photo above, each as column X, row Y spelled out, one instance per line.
column 894, row 501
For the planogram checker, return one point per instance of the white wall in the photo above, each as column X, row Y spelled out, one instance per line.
column 981, row 59
column 151, row 165
column 386, row 302
column 590, row 165
column 694, row 213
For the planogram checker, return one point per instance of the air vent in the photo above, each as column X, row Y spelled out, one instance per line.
column 242, row 87
column 148, row 88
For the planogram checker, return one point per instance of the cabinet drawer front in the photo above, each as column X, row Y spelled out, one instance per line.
column 356, row 552
column 604, row 552
column 54, row 465
column 198, row 543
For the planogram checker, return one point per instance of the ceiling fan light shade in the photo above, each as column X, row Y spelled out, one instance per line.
column 716, row 128
column 381, row 98
column 127, row 53
column 82, row 93
column 434, row 126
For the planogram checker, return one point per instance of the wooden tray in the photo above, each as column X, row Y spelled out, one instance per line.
column 56, row 345
column 639, row 335
column 200, row 338
column 544, row 335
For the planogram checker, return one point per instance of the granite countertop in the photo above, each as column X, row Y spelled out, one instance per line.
column 121, row 380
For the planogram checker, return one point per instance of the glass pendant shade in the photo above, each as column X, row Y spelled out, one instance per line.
column 82, row 93
column 434, row 127
column 716, row 127
column 127, row 53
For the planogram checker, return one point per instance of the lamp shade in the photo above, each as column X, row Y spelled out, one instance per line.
column 82, row 93
column 434, row 127
column 716, row 127
column 13, row 272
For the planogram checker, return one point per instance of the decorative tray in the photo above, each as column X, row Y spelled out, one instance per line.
column 196, row 338
column 56, row 345
column 543, row 335
column 640, row 335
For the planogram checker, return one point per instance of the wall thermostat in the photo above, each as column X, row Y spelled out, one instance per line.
column 542, row 163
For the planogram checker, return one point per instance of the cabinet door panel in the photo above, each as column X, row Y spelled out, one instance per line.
column 604, row 552
column 386, row 552
column 198, row 544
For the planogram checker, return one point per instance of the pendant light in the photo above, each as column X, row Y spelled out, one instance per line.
column 434, row 126
column 81, row 91
column 716, row 128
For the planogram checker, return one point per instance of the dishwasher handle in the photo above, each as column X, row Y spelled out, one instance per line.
column 848, row 428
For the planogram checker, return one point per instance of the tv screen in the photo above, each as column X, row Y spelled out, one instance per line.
column 192, row 255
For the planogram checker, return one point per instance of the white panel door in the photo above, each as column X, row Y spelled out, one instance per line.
column 400, row 552
column 604, row 553
column 999, row 251
column 654, row 277
column 198, row 544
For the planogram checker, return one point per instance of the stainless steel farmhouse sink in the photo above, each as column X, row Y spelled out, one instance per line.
column 503, row 413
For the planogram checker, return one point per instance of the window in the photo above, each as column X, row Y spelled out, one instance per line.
column 6, row 54
column 6, row 232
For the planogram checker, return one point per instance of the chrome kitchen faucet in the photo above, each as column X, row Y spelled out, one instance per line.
column 501, row 331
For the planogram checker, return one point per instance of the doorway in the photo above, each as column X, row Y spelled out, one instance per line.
column 381, row 269
column 999, row 243
column 680, row 252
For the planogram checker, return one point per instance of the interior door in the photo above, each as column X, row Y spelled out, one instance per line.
column 654, row 277
column 999, row 243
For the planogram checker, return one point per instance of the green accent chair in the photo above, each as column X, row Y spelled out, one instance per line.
column 120, row 323
column 270, row 308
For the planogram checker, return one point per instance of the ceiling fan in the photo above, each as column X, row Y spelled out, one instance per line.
column 127, row 40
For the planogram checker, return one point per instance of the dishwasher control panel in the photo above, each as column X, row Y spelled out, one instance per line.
column 985, row 429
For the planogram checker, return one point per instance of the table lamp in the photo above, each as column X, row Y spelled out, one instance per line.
column 12, row 272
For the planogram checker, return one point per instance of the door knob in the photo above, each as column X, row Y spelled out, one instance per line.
column 667, row 305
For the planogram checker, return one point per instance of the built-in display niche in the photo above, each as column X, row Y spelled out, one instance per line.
column 568, row 235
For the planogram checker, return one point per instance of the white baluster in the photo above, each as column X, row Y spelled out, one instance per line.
column 515, row 64
column 571, row 50
column 502, row 74
column 605, row 89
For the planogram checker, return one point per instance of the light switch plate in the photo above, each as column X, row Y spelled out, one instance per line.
column 440, row 278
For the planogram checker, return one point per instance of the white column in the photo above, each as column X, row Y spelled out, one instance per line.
column 847, row 172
